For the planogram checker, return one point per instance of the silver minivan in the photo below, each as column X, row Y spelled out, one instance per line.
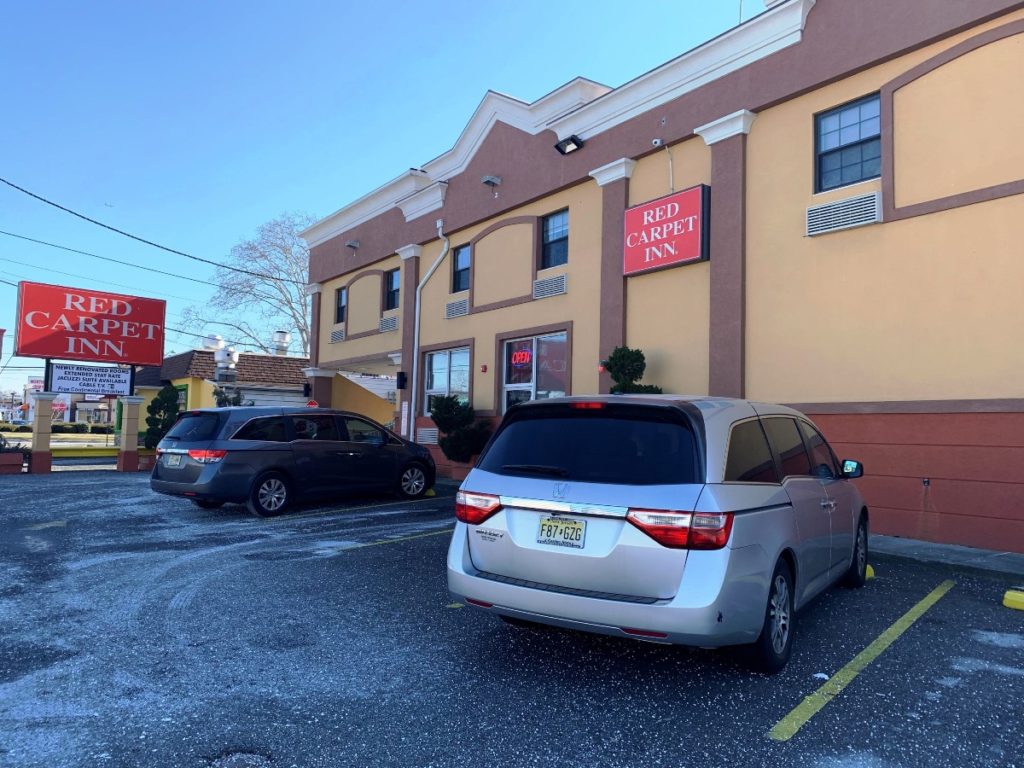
column 699, row 521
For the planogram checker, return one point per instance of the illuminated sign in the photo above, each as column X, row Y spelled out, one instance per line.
column 522, row 357
column 667, row 232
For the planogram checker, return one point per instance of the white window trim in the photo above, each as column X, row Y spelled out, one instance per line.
column 428, row 393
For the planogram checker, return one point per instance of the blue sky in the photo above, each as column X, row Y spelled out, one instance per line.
column 191, row 123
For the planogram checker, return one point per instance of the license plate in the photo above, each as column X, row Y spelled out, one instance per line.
column 562, row 532
column 173, row 459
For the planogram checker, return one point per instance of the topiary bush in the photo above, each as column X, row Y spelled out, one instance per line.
column 163, row 412
column 626, row 367
column 463, row 436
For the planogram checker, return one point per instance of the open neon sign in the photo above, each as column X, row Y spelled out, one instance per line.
column 522, row 357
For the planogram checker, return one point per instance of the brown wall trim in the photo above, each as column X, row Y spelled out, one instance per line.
column 1011, row 405
column 612, row 307
column 892, row 212
column 314, row 330
column 727, row 321
column 410, row 279
column 514, row 221
column 420, row 400
column 540, row 330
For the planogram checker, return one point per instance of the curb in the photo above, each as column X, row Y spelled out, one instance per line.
column 968, row 568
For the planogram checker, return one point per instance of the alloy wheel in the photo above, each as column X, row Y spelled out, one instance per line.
column 272, row 494
column 780, row 609
column 413, row 481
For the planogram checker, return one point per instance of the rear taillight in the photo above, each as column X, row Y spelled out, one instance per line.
column 474, row 508
column 683, row 530
column 207, row 457
column 588, row 405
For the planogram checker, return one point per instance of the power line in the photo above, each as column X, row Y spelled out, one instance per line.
column 105, row 258
column 84, row 277
column 8, row 282
column 82, row 216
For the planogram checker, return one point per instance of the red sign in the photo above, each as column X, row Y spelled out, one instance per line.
column 667, row 232
column 312, row 404
column 522, row 357
column 80, row 324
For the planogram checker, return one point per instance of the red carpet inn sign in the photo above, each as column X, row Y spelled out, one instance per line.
column 76, row 324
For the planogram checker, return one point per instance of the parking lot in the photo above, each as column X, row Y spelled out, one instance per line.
column 138, row 630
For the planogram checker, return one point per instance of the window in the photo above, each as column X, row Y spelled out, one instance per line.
column 318, row 427
column 536, row 368
column 460, row 269
column 392, row 287
column 789, row 446
column 750, row 460
column 271, row 429
column 194, row 426
column 447, row 374
column 554, row 249
column 848, row 144
column 360, row 431
column 823, row 463
column 341, row 304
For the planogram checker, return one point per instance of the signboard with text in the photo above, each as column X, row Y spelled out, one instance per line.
column 78, row 324
column 667, row 232
column 90, row 380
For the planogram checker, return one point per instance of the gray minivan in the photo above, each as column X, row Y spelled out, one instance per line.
column 268, row 457
column 699, row 521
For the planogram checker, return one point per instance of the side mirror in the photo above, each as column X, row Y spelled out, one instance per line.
column 852, row 469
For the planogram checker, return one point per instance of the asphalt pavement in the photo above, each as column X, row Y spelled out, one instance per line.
column 137, row 630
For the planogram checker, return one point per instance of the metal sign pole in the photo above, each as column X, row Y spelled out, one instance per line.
column 47, row 375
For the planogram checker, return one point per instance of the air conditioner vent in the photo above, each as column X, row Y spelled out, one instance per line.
column 337, row 336
column 389, row 323
column 456, row 309
column 549, row 286
column 426, row 435
column 844, row 214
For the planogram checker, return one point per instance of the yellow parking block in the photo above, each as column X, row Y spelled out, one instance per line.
column 430, row 492
column 1014, row 599
column 455, row 605
column 870, row 572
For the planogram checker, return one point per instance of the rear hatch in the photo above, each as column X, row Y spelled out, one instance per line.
column 567, row 474
column 181, row 453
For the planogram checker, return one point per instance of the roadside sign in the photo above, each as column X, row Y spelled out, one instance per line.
column 90, row 379
column 312, row 404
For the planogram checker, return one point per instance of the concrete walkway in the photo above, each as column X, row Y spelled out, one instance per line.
column 1007, row 563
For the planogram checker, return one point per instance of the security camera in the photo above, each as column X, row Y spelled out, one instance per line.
column 656, row 142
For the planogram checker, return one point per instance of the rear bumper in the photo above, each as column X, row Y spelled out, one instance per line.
column 212, row 489
column 721, row 600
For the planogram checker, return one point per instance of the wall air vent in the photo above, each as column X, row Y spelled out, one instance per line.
column 426, row 435
column 456, row 309
column 337, row 336
column 389, row 323
column 844, row 214
column 550, row 286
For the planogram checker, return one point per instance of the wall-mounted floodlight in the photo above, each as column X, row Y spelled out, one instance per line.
column 569, row 144
column 491, row 181
column 353, row 244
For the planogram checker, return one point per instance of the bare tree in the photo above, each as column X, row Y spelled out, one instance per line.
column 269, row 293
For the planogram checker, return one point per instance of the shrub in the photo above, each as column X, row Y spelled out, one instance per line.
column 464, row 437
column 6, row 427
column 102, row 429
column 23, row 428
column 60, row 429
column 163, row 412
column 626, row 367
column 80, row 427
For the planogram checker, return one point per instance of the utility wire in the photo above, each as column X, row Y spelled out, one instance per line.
column 82, row 216
column 82, row 277
column 106, row 258
column 8, row 282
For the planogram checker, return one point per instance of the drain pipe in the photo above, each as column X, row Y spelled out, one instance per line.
column 411, row 427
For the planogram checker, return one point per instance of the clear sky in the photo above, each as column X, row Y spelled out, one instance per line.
column 190, row 123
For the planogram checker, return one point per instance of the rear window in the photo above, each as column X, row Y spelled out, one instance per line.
column 195, row 426
column 622, row 445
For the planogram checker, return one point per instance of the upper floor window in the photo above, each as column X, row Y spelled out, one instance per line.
column 460, row 269
column 392, row 288
column 554, row 249
column 340, row 305
column 848, row 144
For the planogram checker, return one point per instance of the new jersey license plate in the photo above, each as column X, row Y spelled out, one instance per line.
column 173, row 459
column 562, row 532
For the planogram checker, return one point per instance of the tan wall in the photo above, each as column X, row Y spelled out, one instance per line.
column 580, row 305
column 349, row 396
column 959, row 127
column 923, row 308
column 500, row 270
column 363, row 314
column 667, row 311
column 200, row 392
column 364, row 297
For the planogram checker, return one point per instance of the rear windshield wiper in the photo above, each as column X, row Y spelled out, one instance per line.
column 536, row 469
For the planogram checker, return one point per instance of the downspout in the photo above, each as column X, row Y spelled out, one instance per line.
column 411, row 428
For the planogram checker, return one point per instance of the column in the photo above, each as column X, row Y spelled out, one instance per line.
column 410, row 280
column 727, row 138
column 320, row 384
column 42, row 459
column 613, row 179
column 313, row 289
column 128, row 452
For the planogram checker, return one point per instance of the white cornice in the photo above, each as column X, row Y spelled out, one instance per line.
column 313, row 288
column 426, row 200
column 613, row 171
column 324, row 373
column 410, row 252
column 726, row 127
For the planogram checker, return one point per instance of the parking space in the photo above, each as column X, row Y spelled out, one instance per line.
column 137, row 630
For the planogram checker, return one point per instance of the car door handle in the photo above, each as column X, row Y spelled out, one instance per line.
column 826, row 504
column 346, row 453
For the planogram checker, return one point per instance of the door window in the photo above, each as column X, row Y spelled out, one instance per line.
column 360, row 431
column 270, row 428
column 788, row 446
column 823, row 463
column 317, row 427
column 749, row 460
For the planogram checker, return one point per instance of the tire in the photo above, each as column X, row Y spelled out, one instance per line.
column 204, row 504
column 412, row 482
column 857, row 575
column 771, row 651
column 270, row 496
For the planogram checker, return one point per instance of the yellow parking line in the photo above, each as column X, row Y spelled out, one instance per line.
column 787, row 727
column 52, row 524
column 395, row 541
column 1014, row 599
column 335, row 510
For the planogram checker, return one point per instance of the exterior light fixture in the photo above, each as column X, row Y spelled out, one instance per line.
column 353, row 244
column 491, row 181
column 569, row 144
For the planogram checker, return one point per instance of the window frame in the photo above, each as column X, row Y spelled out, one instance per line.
column 467, row 270
column 542, row 255
column 771, row 455
column 837, row 467
column 341, row 305
column 776, row 456
column 392, row 296
column 531, row 387
column 428, row 393
column 819, row 153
